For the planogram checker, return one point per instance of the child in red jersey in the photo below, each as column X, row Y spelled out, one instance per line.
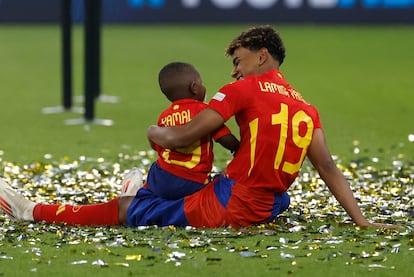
column 183, row 171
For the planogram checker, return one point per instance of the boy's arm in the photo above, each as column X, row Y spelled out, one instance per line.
column 224, row 136
column 204, row 123
column 229, row 142
column 321, row 158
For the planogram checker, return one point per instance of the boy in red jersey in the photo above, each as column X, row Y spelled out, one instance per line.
column 278, row 130
column 180, row 172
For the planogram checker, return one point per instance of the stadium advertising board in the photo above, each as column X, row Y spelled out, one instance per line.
column 218, row 11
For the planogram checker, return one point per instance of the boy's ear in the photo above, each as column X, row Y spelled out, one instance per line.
column 263, row 55
column 193, row 87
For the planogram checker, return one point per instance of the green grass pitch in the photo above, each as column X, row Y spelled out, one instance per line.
column 359, row 77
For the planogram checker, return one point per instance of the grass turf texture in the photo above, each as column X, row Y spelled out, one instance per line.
column 359, row 77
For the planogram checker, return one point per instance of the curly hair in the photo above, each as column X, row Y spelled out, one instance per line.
column 258, row 37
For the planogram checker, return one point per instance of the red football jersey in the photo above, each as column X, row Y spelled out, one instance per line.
column 273, row 118
column 193, row 163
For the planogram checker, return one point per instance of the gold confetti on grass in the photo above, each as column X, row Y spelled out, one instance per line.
column 314, row 223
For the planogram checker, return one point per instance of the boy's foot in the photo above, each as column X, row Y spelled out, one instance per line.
column 132, row 182
column 14, row 204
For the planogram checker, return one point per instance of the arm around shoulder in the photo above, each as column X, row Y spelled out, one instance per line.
column 173, row 137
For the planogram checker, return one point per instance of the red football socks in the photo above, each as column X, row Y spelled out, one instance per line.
column 82, row 215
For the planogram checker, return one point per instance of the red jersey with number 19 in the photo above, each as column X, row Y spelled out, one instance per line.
column 273, row 117
column 193, row 163
column 276, row 129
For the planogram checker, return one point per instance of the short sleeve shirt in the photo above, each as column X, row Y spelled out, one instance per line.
column 276, row 127
column 193, row 163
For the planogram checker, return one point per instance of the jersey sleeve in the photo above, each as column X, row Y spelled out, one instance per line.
column 227, row 101
column 223, row 131
column 317, row 121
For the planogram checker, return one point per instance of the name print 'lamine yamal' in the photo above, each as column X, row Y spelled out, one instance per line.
column 275, row 88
